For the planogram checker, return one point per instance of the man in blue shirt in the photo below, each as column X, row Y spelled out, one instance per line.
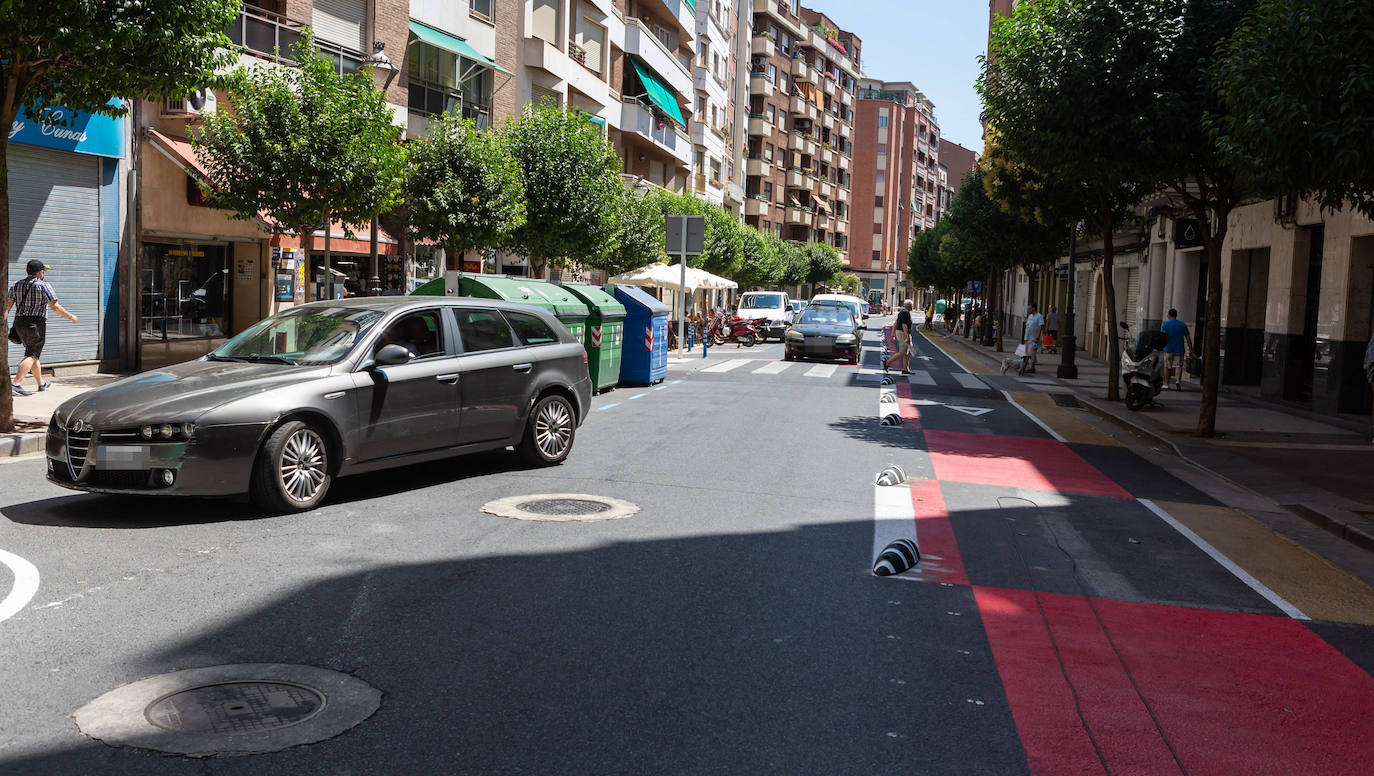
column 1180, row 343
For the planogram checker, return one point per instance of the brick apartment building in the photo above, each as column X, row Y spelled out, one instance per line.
column 896, row 187
column 802, row 76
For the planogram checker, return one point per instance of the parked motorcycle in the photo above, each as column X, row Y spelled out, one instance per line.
column 736, row 330
column 1142, row 367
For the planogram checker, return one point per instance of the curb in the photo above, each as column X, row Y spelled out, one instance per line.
column 1355, row 534
column 12, row 445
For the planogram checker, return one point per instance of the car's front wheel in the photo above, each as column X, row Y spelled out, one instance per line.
column 549, row 432
column 292, row 470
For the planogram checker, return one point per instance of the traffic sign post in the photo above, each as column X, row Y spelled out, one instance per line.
column 686, row 236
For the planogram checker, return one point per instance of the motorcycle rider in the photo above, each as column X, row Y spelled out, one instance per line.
column 1180, row 344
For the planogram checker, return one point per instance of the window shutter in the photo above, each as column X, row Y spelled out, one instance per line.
column 341, row 22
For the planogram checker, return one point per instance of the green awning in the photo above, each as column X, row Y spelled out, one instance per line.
column 659, row 93
column 447, row 42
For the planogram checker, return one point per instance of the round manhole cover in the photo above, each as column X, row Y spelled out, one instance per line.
column 564, row 506
column 560, row 507
column 235, row 707
column 229, row 710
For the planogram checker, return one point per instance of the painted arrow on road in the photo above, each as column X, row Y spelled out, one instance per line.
column 974, row 411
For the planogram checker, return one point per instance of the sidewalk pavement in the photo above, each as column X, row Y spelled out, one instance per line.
column 1313, row 465
column 31, row 413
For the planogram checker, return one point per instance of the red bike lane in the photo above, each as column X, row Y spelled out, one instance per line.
column 1122, row 647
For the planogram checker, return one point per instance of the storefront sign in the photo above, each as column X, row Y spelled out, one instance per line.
column 71, row 131
column 300, row 274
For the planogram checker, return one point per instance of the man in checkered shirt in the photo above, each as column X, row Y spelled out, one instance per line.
column 33, row 296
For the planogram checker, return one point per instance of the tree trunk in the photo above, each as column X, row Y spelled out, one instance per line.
column 6, row 395
column 1211, row 350
column 1109, row 299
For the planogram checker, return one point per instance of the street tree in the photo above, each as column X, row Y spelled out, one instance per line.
column 1296, row 85
column 640, row 236
column 84, row 55
column 762, row 265
column 302, row 147
column 572, row 185
column 1061, row 86
column 464, row 189
column 792, row 259
column 723, row 248
column 822, row 262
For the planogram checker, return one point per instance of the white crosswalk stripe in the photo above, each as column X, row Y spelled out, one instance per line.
column 773, row 368
column 971, row 381
column 821, row 370
column 921, row 377
column 726, row 366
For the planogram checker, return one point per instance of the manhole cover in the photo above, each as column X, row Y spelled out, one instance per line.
column 229, row 710
column 560, row 507
column 1066, row 400
column 564, row 506
column 235, row 707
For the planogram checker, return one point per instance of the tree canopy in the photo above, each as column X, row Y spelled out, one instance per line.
column 465, row 190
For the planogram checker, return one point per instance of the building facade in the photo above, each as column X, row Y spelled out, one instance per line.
column 896, row 183
column 802, row 76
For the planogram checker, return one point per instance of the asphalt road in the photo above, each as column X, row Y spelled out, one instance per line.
column 1058, row 624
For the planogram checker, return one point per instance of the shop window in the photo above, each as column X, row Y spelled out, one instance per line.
column 184, row 292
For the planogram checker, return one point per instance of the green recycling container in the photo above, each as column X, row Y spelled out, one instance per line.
column 605, row 334
column 503, row 287
column 434, row 287
column 568, row 308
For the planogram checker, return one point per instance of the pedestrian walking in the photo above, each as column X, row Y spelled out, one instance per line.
column 902, row 331
column 1179, row 345
column 1034, row 323
column 1052, row 324
column 33, row 297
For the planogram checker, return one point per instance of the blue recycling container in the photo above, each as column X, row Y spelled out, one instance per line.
column 644, row 356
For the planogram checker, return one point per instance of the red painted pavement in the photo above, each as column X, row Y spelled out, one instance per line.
column 940, row 558
column 906, row 407
column 1039, row 464
column 1234, row 693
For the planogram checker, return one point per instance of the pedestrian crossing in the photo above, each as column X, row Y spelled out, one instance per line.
column 771, row 367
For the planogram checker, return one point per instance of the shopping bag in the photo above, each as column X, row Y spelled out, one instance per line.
column 1021, row 350
column 1047, row 340
column 1194, row 365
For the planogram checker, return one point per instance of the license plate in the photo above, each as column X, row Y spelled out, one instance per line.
column 121, row 456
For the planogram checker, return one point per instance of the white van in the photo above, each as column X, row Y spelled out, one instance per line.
column 773, row 305
column 858, row 307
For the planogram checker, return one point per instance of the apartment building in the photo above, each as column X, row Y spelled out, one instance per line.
column 802, row 76
column 956, row 164
column 896, row 186
column 713, row 164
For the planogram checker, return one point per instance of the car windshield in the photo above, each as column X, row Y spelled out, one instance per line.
column 761, row 300
column 827, row 314
column 852, row 307
column 301, row 335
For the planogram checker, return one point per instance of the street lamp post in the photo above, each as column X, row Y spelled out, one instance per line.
column 383, row 73
column 1068, row 370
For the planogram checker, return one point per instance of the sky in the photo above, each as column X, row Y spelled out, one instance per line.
column 932, row 43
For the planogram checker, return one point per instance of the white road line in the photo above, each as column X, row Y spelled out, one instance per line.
column 921, row 377
column 726, row 366
column 773, row 368
column 821, row 370
column 25, row 584
column 1037, row 421
column 894, row 517
column 1227, row 563
column 970, row 381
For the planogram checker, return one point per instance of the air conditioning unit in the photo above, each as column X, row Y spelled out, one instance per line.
column 198, row 103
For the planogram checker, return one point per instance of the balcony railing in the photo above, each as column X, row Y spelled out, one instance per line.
column 434, row 99
column 271, row 35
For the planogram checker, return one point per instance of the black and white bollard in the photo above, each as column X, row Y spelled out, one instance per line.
column 892, row 475
column 901, row 555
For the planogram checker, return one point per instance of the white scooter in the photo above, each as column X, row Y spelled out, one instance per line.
column 1142, row 367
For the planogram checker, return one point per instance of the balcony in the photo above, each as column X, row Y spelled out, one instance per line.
column 826, row 155
column 761, row 46
column 841, row 193
column 803, row 144
column 846, row 99
column 708, row 137
column 802, row 109
column 271, row 35
column 759, row 127
column 844, row 130
column 638, row 119
column 754, row 206
column 822, row 221
column 757, row 167
column 642, row 43
column 686, row 17
column 796, row 179
column 803, row 73
column 796, row 215
column 759, row 85
column 827, row 120
column 824, row 189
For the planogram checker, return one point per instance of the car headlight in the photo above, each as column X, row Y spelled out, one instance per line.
column 845, row 339
column 163, row 432
column 793, row 334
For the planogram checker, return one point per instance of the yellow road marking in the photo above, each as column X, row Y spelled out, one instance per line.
column 1063, row 421
column 1322, row 591
column 965, row 360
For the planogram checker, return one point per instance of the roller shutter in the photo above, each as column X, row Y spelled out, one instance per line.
column 341, row 22
column 1132, row 295
column 55, row 217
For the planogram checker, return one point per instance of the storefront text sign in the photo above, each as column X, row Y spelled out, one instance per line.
column 71, row 131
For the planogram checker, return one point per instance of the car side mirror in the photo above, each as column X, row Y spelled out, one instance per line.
column 391, row 355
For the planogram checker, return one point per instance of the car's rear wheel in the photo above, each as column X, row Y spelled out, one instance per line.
column 292, row 470
column 550, row 431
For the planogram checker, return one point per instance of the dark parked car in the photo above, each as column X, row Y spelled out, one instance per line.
column 823, row 330
column 329, row 389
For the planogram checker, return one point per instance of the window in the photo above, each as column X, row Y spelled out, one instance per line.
column 768, row 191
column 530, row 329
column 768, row 152
column 882, row 122
column 480, row 8
column 591, row 38
column 482, row 330
column 877, row 201
column 546, row 22
column 877, row 255
column 715, row 171
column 769, row 112
column 664, row 35
column 767, row 226
column 772, row 72
column 421, row 334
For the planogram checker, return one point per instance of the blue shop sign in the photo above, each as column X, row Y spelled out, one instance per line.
column 80, row 132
